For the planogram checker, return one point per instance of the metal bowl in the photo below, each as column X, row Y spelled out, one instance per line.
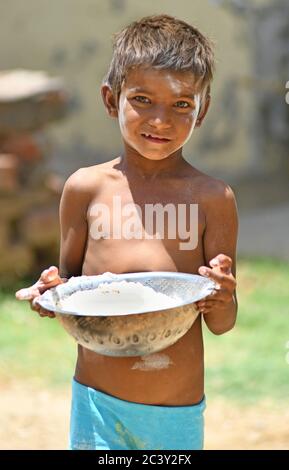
column 133, row 334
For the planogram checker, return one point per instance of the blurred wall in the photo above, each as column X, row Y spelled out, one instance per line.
column 73, row 39
column 243, row 139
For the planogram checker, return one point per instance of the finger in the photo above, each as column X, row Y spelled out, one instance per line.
column 223, row 262
column 43, row 286
column 48, row 278
column 49, row 313
column 42, row 313
column 217, row 293
column 45, row 313
column 223, row 295
column 49, row 275
column 38, row 307
column 27, row 293
column 205, row 306
column 210, row 309
column 35, row 307
column 204, row 302
column 210, row 304
column 34, row 303
column 30, row 293
column 216, row 275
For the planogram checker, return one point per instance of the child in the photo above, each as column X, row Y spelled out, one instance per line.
column 158, row 88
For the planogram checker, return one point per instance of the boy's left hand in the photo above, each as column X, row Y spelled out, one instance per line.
column 225, row 285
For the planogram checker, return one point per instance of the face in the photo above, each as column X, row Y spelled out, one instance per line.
column 157, row 111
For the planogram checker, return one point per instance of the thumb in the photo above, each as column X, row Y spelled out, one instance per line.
column 223, row 263
column 49, row 275
column 27, row 293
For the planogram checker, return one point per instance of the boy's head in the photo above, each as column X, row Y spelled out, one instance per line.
column 162, row 42
column 171, row 50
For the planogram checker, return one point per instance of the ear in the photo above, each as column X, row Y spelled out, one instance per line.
column 206, row 100
column 109, row 101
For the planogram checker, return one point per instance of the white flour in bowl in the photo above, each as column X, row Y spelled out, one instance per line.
column 118, row 298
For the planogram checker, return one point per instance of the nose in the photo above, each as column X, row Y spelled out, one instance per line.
column 160, row 119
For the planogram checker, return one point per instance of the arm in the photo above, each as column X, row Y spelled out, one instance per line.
column 73, row 224
column 220, row 241
column 73, row 206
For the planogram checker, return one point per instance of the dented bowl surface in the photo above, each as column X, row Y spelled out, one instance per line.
column 133, row 334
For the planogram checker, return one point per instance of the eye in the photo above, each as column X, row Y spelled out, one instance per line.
column 182, row 104
column 142, row 99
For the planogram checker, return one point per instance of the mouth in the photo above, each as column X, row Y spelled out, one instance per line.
column 155, row 138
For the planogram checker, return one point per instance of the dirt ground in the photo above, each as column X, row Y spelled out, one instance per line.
column 36, row 418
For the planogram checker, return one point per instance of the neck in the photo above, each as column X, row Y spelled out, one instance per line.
column 132, row 163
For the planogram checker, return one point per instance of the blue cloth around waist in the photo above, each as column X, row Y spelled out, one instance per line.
column 103, row 422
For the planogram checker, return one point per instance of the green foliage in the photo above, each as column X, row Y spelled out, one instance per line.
column 33, row 347
column 249, row 362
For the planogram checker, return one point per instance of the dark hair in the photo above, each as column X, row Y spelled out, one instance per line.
column 163, row 42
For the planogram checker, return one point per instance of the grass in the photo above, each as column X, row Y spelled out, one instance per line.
column 32, row 347
column 249, row 363
column 246, row 364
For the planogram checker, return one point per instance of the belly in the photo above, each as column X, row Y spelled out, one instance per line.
column 172, row 377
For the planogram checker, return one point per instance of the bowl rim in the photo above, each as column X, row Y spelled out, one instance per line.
column 47, row 299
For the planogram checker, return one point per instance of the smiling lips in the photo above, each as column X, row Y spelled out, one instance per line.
column 155, row 138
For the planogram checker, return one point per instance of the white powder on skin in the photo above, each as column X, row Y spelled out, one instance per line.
column 153, row 362
column 118, row 298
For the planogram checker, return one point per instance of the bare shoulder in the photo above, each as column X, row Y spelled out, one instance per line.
column 88, row 179
column 213, row 190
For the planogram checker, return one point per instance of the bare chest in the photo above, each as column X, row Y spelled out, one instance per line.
column 148, row 227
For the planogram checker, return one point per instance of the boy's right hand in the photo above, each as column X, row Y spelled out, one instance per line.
column 48, row 278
